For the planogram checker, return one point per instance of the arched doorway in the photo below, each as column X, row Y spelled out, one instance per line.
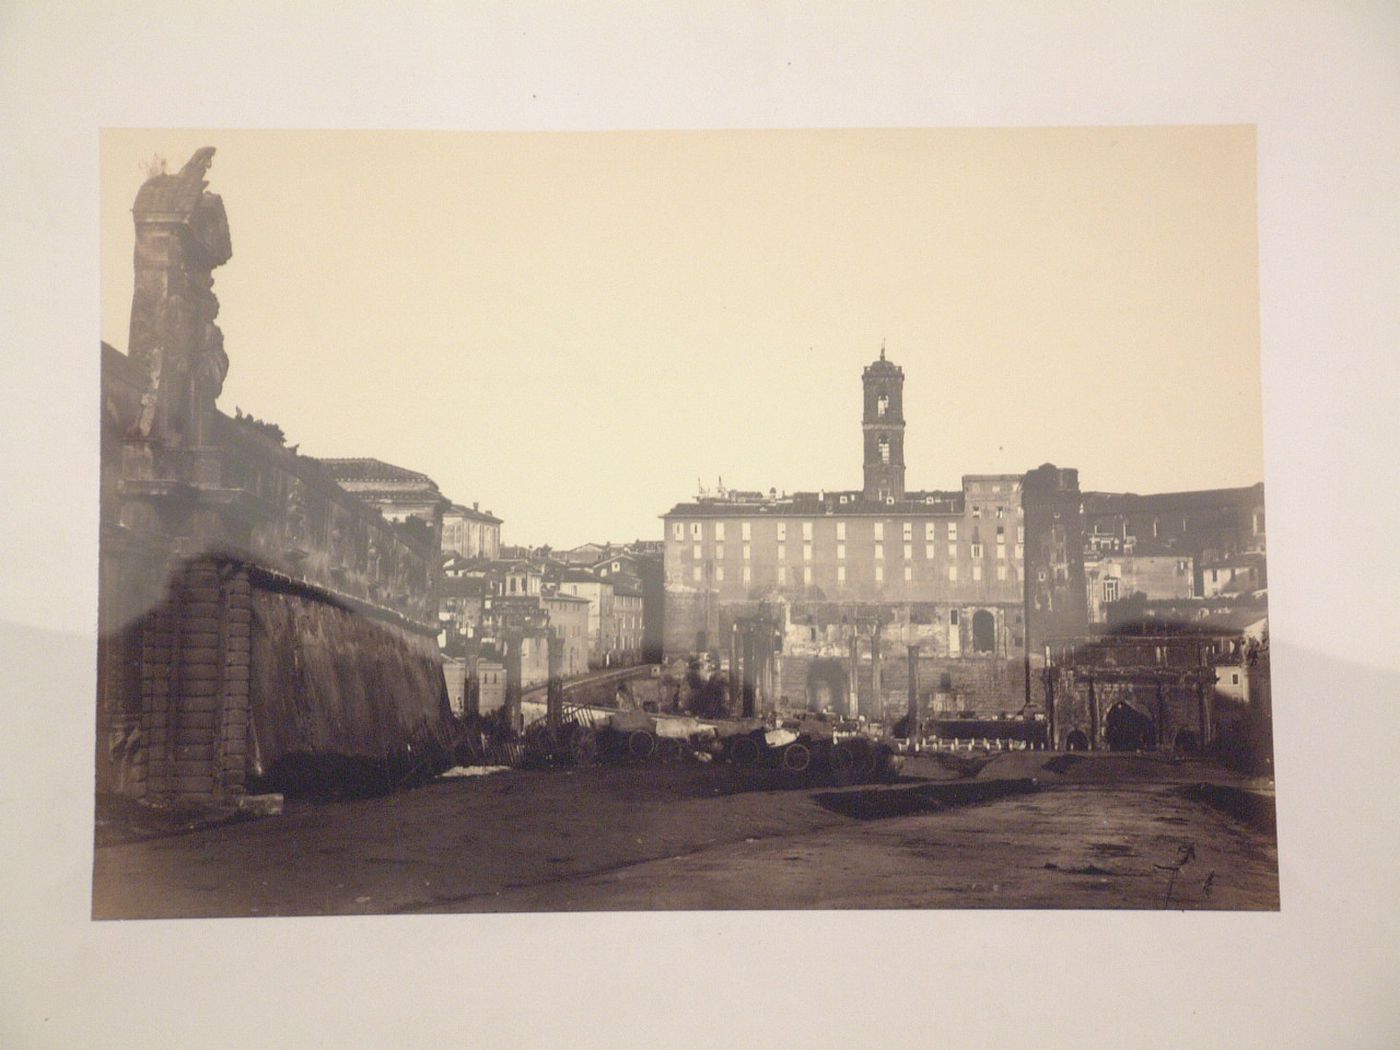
column 1186, row 742
column 1128, row 729
column 984, row 632
column 826, row 686
column 1077, row 741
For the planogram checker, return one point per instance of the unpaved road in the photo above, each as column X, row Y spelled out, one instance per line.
column 1099, row 832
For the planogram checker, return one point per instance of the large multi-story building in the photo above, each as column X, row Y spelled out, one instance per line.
column 568, row 616
column 601, row 626
column 974, row 577
column 640, row 564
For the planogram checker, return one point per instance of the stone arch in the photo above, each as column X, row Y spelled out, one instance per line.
column 1077, row 740
column 827, row 685
column 1128, row 729
column 984, row 632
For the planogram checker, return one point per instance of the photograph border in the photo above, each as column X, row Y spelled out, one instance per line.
column 1318, row 82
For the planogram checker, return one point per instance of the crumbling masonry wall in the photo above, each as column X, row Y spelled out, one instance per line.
column 328, row 680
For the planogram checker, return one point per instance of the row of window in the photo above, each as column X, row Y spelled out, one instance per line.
column 976, row 550
column 697, row 530
column 698, row 573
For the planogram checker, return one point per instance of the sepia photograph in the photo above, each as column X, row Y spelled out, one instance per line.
column 762, row 519
column 625, row 525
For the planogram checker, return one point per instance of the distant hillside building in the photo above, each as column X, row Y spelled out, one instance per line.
column 471, row 532
column 584, row 554
column 643, row 564
column 1208, row 525
column 568, row 616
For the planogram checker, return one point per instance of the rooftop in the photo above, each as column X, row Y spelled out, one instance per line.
column 1142, row 548
column 473, row 513
column 883, row 366
column 1131, row 502
column 461, row 587
column 364, row 469
column 579, row 576
column 809, row 504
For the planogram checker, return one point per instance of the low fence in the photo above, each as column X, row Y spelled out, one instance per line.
column 936, row 743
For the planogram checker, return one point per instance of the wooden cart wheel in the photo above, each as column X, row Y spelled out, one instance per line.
column 842, row 763
column 796, row 758
column 744, row 752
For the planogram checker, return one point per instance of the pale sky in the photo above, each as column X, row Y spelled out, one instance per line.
column 571, row 328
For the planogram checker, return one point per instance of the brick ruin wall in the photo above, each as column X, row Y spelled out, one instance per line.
column 240, row 679
column 326, row 680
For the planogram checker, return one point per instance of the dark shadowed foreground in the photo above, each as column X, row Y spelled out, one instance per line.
column 1024, row 830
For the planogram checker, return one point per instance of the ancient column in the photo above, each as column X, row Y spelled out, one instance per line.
column 1163, row 729
column 1201, row 708
column 735, row 678
column 877, row 709
column 853, row 674
column 554, row 689
column 1093, row 718
column 514, row 643
column 913, row 711
column 749, row 644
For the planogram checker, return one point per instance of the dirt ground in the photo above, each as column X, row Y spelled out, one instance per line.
column 1021, row 830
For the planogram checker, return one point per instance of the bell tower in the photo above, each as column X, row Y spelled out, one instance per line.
column 883, row 426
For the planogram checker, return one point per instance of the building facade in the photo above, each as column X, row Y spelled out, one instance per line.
column 972, row 577
column 405, row 497
column 1211, row 526
column 599, row 593
column 642, row 566
column 471, row 532
column 568, row 616
column 1110, row 578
